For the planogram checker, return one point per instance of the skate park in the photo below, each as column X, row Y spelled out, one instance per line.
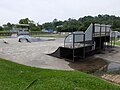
column 67, row 53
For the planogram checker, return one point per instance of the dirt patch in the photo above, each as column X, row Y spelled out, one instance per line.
column 89, row 64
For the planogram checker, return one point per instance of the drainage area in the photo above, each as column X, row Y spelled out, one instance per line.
column 96, row 66
column 109, row 71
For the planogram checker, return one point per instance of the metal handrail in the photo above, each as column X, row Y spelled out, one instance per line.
column 72, row 34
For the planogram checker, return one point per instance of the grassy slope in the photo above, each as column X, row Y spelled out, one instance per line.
column 18, row 77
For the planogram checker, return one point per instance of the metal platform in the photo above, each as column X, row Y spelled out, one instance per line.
column 82, row 44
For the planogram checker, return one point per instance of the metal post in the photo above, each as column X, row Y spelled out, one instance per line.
column 111, row 39
column 93, row 37
column 100, row 36
column 114, row 38
column 105, row 36
column 84, row 45
column 73, row 46
column 93, row 33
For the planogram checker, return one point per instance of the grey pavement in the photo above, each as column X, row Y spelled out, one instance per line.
column 34, row 53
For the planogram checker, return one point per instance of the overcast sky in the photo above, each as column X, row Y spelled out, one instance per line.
column 46, row 10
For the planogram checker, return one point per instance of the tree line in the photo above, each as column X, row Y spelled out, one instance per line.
column 68, row 25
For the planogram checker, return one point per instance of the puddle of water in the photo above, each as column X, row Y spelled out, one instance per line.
column 113, row 68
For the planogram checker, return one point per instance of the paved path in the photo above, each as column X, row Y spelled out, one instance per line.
column 111, row 54
column 33, row 54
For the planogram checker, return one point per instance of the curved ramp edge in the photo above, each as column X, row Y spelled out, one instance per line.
column 56, row 53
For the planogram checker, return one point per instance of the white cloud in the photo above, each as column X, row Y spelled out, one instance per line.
column 47, row 10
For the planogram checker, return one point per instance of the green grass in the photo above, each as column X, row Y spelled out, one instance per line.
column 117, row 43
column 19, row 77
column 4, row 37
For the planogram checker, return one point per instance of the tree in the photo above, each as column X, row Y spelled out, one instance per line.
column 1, row 29
column 7, row 27
column 39, row 27
column 56, row 23
column 24, row 21
column 48, row 26
column 70, row 25
column 116, row 25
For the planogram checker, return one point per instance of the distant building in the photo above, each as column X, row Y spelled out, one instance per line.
column 20, row 29
column 48, row 30
column 115, row 34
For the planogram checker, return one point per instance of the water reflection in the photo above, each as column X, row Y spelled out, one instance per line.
column 113, row 68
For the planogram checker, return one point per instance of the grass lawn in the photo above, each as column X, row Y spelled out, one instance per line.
column 19, row 77
column 117, row 43
column 4, row 37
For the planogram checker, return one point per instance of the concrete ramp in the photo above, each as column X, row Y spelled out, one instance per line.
column 56, row 53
